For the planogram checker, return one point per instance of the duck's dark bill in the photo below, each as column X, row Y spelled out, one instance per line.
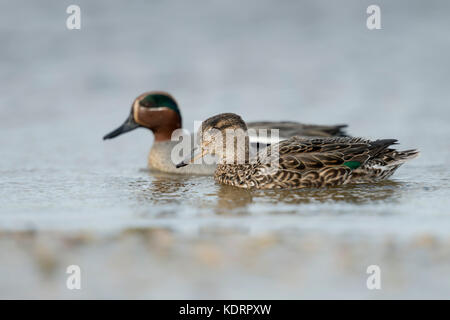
column 128, row 125
column 181, row 164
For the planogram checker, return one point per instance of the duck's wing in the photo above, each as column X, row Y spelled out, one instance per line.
column 317, row 162
column 303, row 154
column 288, row 129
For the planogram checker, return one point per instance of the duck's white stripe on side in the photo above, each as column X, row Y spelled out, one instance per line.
column 265, row 140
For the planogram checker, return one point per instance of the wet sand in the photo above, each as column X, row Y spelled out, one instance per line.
column 220, row 263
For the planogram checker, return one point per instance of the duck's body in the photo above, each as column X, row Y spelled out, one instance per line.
column 159, row 112
column 325, row 162
column 299, row 162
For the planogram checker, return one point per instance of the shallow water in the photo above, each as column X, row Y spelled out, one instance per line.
column 67, row 197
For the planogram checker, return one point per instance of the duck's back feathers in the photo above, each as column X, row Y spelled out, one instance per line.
column 303, row 154
column 288, row 129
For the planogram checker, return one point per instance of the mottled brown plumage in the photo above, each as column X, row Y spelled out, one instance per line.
column 302, row 162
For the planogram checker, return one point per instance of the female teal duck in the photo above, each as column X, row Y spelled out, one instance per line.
column 296, row 162
column 159, row 112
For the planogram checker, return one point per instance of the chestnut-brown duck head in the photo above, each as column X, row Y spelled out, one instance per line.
column 155, row 110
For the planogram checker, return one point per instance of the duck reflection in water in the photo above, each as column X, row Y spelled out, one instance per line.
column 167, row 189
column 230, row 198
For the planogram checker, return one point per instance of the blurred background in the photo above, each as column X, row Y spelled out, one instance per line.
column 67, row 197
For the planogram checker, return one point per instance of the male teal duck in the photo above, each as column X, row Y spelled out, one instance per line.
column 159, row 112
column 296, row 162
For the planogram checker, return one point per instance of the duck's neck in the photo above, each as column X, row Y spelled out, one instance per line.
column 164, row 132
column 162, row 121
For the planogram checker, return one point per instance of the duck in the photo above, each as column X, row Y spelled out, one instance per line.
column 159, row 112
column 297, row 162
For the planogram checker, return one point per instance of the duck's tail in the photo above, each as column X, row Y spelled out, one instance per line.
column 383, row 165
column 393, row 157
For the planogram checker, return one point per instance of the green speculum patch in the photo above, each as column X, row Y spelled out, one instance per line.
column 352, row 164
